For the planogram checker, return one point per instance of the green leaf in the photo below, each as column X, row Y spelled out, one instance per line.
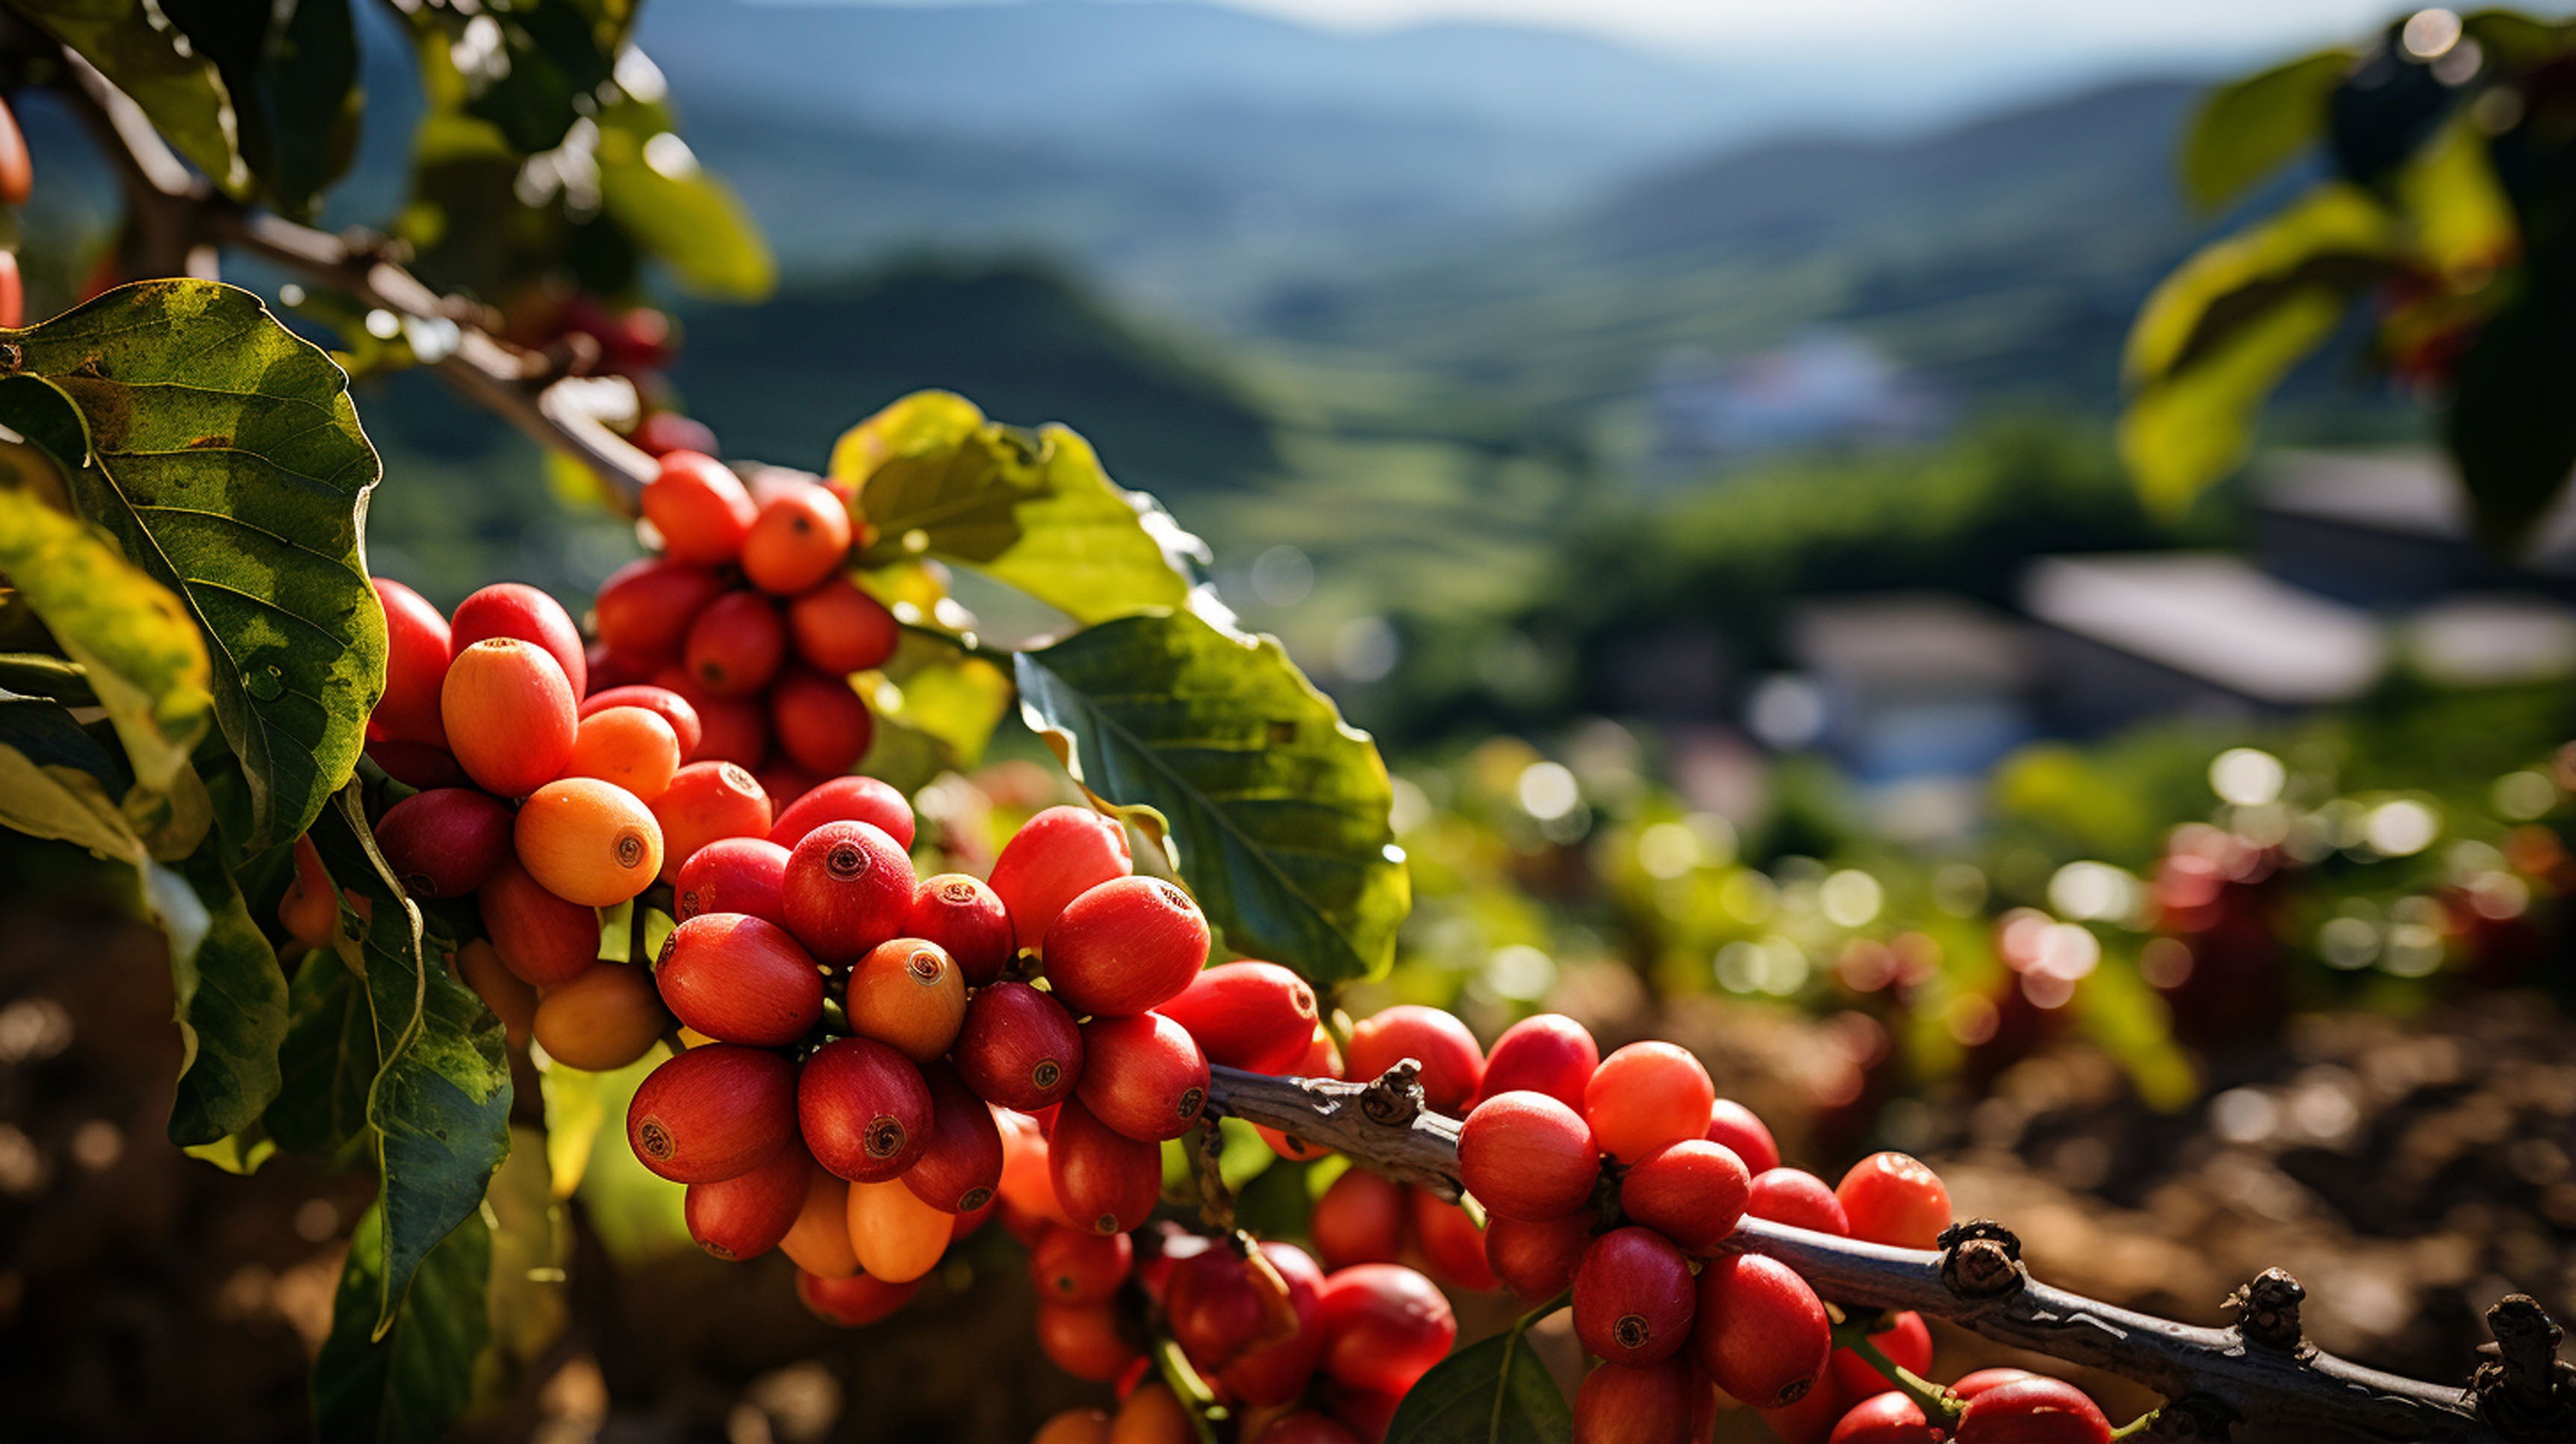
column 1033, row 510
column 935, row 705
column 231, row 1011
column 326, row 1062
column 2247, row 129
column 530, row 69
column 293, row 69
column 221, row 451
column 1489, row 1393
column 57, row 781
column 1277, row 808
column 406, row 1380
column 531, row 1249
column 134, row 44
column 652, row 185
column 2511, row 425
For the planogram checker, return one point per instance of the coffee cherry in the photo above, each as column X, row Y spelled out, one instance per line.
column 1276, row 1367
column 740, row 979
column 1691, row 1192
column 1073, row 1267
column 800, row 535
column 819, row 1240
column 633, row 747
column 645, row 608
column 865, row 1110
column 509, row 715
column 700, row 507
column 731, row 729
column 310, row 908
column 1152, row 1415
column 733, row 875
column 1104, row 1180
column 418, row 764
column 1019, row 1047
column 601, row 1020
column 1649, row 1404
column 713, row 1113
column 847, row 889
column 1125, row 946
column 1537, row 1259
column 853, row 1302
column 1645, row 1096
column 898, row 1237
column 516, row 610
column 588, row 841
column 1054, row 858
column 1029, row 1204
column 1304, row 1426
column 512, row 1001
column 1761, row 1334
column 1549, row 1053
column 1220, row 1303
column 416, row 653
column 1632, row 1297
column 1807, row 1419
column 745, row 1216
column 1798, row 1199
column 841, row 629
column 2033, row 1411
column 707, row 801
column 819, row 721
column 1074, row 1426
column 907, row 994
column 1450, row 1242
column 1971, row 1385
column 1893, row 1199
column 1088, row 1341
column 736, row 645
column 961, row 1167
column 670, row 706
column 963, row 916
column 1527, row 1156
column 445, row 842
column 785, row 782
column 847, row 799
column 1906, row 1342
column 1359, row 1219
column 544, row 939
column 1733, row 1124
column 1452, row 1065
column 1253, row 1015
column 1142, row 1076
column 1888, row 1418
column 1384, row 1326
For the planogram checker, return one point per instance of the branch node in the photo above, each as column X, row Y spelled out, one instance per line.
column 1395, row 1099
column 2525, row 1390
column 2194, row 1416
column 1981, row 1259
column 2267, row 1312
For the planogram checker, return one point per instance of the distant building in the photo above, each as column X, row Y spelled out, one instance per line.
column 1914, row 684
column 1824, row 386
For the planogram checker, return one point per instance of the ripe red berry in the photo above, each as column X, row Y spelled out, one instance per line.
column 785, row 782
column 733, row 875
column 1305, row 1426
column 1692, row 1192
column 1971, row 1385
column 1359, row 1219
column 645, row 608
column 1054, row 858
column 1907, row 1343
column 2033, row 1411
column 1888, row 1418
column 1104, row 1180
column 962, row 915
column 847, row 799
column 509, row 716
column 1450, row 1242
column 1142, row 1076
column 819, row 1240
column 847, row 889
column 819, row 721
column 1384, row 1327
column 1894, row 1199
column 1651, row 1404
column 1276, row 1369
column 855, row 1301
column 707, row 801
column 633, row 747
column 418, row 764
column 543, row 939
column 670, row 706
column 1070, row 1266
column 740, row 979
column 907, row 994
column 731, row 729
column 1537, row 1259
column 713, row 1113
column 1735, row 1125
column 1125, row 946
column 746, row 1215
column 1251, row 1015
column 1761, row 1333
column 1019, row 1047
column 962, row 1166
column 865, row 1110
column 1799, row 1199
column 736, row 645
column 513, row 609
column 445, row 842
column 1632, row 1297
column 1219, row 1303
column 841, row 629
column 311, row 907
column 417, row 647
column 1645, row 1096
column 1549, row 1053
column 800, row 535
column 1527, row 1156
column 702, row 509
column 1453, row 1067
column 1088, row 1341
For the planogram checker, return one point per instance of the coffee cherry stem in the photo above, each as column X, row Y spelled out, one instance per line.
column 1852, row 1332
column 1193, row 1392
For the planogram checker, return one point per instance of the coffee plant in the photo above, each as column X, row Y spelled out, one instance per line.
column 448, row 894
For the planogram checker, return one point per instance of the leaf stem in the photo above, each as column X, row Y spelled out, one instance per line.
column 1186, row 1385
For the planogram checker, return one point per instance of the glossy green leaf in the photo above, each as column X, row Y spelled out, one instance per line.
column 530, row 69
column 135, row 45
column 292, row 69
column 221, row 451
column 1494, row 1392
column 326, row 1063
column 678, row 211
column 409, row 1379
column 59, row 782
column 1276, row 808
column 2246, row 130
column 935, row 706
column 232, row 1012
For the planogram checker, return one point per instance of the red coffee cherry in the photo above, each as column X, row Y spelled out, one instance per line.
column 1633, row 1297
column 514, row 609
column 855, row 1301
column 645, row 608
column 416, row 652
column 733, row 875
column 1072, row 1267
column 1219, row 1303
column 707, row 801
column 670, row 706
column 865, row 1110
column 1761, row 1334
column 1807, row 1420
column 310, row 909
column 819, row 721
column 543, row 939
column 1450, row 1242
column 1970, row 1386
column 1527, row 1156
column 2033, row 1411
column 1453, row 1066
column 1384, row 1327
column 1537, row 1259
column 418, row 764
column 847, row 799
column 602, row 1020
column 1359, row 1219
column 1907, row 1343
column 1650, row 1404
column 1549, row 1053
column 1276, row 1369
column 819, row 1240
column 841, row 629
column 509, row 716
column 736, row 645
column 962, row 915
column 1125, row 946
column 1104, row 1180
column 731, row 729
column 1733, row 1124
column 800, row 535
column 785, row 782
column 1088, row 1341
column 898, row 1237
column 1028, row 1200
column 1893, row 1199
column 1019, row 1047
column 907, row 994
column 847, row 889
column 512, row 1001
column 1142, row 1076
column 1054, row 858
column 745, row 1216
column 1799, row 1199
column 1251, row 1015
column 1888, row 1418
column 588, row 841
column 740, row 979
column 713, row 1113
column 445, row 842
column 962, row 1166
column 702, row 509
column 633, row 747
column 1305, row 1426
column 1692, row 1192
column 1645, row 1096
